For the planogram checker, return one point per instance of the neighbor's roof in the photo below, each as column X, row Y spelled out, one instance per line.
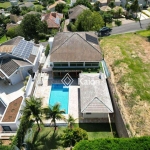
column 76, row 11
column 75, row 47
column 6, row 48
column 105, row 8
column 1, row 75
column 102, row 1
column 26, row 4
column 12, row 110
column 13, row 41
column 9, row 66
column 53, row 19
column 94, row 94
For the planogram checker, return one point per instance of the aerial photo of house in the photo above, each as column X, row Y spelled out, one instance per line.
column 74, row 74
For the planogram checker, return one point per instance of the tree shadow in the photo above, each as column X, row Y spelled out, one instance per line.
column 53, row 142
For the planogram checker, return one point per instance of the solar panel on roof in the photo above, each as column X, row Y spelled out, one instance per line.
column 23, row 49
column 91, row 39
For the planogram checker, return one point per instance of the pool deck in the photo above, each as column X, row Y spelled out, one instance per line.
column 43, row 91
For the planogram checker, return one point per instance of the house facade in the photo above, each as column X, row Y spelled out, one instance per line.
column 71, row 52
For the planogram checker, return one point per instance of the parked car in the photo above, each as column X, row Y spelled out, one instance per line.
column 105, row 31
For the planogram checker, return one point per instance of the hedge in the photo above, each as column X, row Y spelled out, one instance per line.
column 142, row 143
column 4, row 147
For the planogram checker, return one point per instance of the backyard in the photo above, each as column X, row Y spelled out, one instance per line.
column 5, row 5
column 128, row 58
column 3, row 39
column 53, row 140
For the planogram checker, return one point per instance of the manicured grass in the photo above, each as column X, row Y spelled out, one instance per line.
column 3, row 39
column 98, row 130
column 5, row 4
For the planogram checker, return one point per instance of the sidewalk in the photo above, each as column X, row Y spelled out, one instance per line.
column 65, row 26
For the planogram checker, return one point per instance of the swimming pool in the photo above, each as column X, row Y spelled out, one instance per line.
column 59, row 94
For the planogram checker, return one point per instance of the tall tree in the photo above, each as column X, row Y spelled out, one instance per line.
column 84, row 2
column 32, row 25
column 33, row 110
column 107, row 17
column 135, row 6
column 54, row 113
column 15, row 10
column 89, row 21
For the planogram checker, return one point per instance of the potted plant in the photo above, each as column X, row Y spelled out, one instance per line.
column 89, row 70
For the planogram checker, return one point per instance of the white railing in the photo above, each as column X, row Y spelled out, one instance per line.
column 8, row 132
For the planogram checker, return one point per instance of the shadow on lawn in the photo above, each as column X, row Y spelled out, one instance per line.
column 53, row 142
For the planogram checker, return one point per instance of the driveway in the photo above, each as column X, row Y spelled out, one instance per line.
column 65, row 25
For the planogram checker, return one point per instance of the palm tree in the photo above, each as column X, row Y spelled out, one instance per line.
column 54, row 113
column 33, row 110
column 70, row 121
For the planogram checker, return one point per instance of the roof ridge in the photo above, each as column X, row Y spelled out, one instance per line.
column 79, row 36
column 89, row 43
column 64, row 42
column 93, row 100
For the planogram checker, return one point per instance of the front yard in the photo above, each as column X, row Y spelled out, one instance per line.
column 128, row 58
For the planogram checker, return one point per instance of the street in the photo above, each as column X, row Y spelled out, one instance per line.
column 131, row 27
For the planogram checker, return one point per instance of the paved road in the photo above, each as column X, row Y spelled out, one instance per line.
column 131, row 27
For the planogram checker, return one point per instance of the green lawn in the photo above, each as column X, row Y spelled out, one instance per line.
column 94, row 131
column 3, row 39
column 5, row 4
column 144, row 33
column 98, row 130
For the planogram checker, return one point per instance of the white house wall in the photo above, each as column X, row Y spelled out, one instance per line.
column 37, row 60
column 12, row 125
column 16, row 78
column 24, row 70
column 95, row 115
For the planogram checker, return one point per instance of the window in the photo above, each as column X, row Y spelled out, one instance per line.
column 88, row 113
column 6, row 128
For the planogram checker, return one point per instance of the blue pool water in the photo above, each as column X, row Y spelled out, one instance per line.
column 59, row 94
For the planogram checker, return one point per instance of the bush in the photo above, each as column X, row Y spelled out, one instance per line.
column 42, row 36
column 4, row 147
column 47, row 50
column 118, row 22
column 72, row 136
column 142, row 143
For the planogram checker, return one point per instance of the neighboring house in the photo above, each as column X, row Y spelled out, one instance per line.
column 18, row 59
column 26, row 4
column 95, row 99
column 16, row 19
column 33, row 13
column 141, row 2
column 76, row 11
column 53, row 19
column 73, row 51
column 9, row 120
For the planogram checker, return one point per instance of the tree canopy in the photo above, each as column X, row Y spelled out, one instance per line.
column 89, row 21
column 15, row 10
column 32, row 25
column 83, row 2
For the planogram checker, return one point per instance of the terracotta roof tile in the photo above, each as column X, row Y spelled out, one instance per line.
column 12, row 110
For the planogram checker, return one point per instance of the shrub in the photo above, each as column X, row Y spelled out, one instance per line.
column 47, row 50
column 72, row 136
column 142, row 143
column 118, row 22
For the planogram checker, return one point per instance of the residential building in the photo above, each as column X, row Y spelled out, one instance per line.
column 76, row 11
column 53, row 19
column 74, row 51
column 18, row 59
column 95, row 99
